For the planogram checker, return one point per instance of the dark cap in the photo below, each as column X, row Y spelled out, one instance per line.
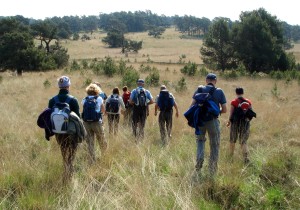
column 211, row 76
column 140, row 81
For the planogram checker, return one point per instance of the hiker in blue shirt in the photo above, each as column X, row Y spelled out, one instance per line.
column 140, row 98
column 68, row 143
column 165, row 102
column 212, row 126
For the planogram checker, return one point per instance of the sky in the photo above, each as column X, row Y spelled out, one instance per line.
column 284, row 10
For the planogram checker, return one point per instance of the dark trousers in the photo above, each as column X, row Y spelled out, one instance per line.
column 113, row 123
column 165, row 125
column 68, row 146
column 139, row 116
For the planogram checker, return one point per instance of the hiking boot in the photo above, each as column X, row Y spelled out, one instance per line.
column 199, row 165
column 246, row 161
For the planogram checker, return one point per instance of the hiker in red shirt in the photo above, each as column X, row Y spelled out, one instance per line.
column 239, row 121
column 128, row 112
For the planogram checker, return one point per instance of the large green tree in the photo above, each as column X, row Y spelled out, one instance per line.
column 258, row 41
column 217, row 48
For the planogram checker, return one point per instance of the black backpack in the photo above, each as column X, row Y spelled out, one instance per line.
column 113, row 105
column 243, row 112
column 141, row 97
column 89, row 113
column 165, row 101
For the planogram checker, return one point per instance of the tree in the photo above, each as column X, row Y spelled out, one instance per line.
column 45, row 31
column 15, row 50
column 217, row 48
column 114, row 39
column 156, row 32
column 258, row 41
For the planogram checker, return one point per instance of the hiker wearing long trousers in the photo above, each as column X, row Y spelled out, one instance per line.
column 164, row 102
column 68, row 143
column 210, row 125
column 140, row 98
column 93, row 108
column 128, row 112
column 113, row 106
column 241, row 114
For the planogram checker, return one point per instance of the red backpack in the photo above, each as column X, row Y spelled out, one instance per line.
column 126, row 97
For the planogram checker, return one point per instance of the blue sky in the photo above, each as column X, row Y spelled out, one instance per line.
column 284, row 10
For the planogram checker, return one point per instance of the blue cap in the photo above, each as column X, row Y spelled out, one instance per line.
column 63, row 82
column 140, row 81
column 211, row 76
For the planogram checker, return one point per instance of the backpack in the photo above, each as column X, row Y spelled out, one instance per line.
column 89, row 113
column 60, row 116
column 243, row 112
column 165, row 101
column 126, row 97
column 209, row 109
column 103, row 96
column 113, row 105
column 203, row 110
column 141, row 97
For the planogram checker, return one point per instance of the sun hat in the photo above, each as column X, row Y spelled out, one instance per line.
column 211, row 76
column 63, row 82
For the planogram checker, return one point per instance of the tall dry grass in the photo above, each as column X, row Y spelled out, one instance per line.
column 147, row 175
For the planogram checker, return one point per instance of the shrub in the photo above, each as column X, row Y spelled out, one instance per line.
column 87, row 82
column 109, row 67
column 122, row 67
column 47, row 83
column 85, row 64
column 181, row 85
column 130, row 77
column 153, row 78
column 74, row 66
column 189, row 69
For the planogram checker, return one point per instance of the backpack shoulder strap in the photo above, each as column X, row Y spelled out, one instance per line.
column 212, row 90
column 200, row 89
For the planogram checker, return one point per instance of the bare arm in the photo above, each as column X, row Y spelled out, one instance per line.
column 223, row 108
column 155, row 109
column 176, row 108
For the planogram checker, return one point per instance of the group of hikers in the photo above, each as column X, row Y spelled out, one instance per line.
column 63, row 119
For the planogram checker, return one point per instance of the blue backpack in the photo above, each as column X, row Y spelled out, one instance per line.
column 113, row 105
column 203, row 110
column 165, row 101
column 89, row 113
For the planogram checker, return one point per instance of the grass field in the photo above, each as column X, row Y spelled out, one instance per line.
column 147, row 175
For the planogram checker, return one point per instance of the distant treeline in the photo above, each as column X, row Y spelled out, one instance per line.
column 139, row 21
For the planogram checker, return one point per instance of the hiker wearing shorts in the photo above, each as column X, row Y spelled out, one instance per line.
column 140, row 98
column 212, row 126
column 128, row 112
column 165, row 108
column 239, row 128
column 114, row 104
column 68, row 143
column 93, row 121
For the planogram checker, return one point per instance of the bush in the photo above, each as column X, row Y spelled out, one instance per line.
column 47, row 83
column 74, row 66
column 153, row 78
column 190, row 69
column 130, row 77
column 181, row 85
column 109, row 67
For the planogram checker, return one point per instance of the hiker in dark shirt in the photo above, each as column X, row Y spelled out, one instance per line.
column 68, row 143
column 165, row 108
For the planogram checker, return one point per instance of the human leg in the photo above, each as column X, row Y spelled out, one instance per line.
column 162, row 126
column 90, row 141
column 213, row 129
column 99, row 131
column 200, row 140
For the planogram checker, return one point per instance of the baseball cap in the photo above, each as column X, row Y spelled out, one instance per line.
column 140, row 81
column 63, row 82
column 211, row 76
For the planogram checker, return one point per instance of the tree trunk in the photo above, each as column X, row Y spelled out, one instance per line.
column 19, row 72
